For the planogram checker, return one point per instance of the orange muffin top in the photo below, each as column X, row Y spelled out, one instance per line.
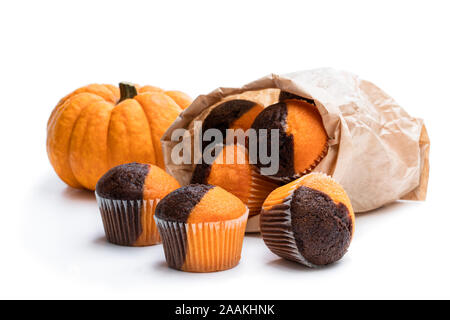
column 158, row 183
column 196, row 203
column 230, row 170
column 304, row 123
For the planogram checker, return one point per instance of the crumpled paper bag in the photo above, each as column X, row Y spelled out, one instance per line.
column 377, row 151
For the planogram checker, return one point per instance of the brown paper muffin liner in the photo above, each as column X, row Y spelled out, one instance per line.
column 276, row 228
column 129, row 222
column 203, row 247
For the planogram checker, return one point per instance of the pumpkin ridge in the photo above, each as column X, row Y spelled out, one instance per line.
column 108, row 147
column 149, row 121
column 88, row 151
column 64, row 106
column 69, row 101
column 50, row 128
column 58, row 107
column 55, row 113
column 108, row 166
column 67, row 98
column 108, row 155
column 113, row 89
column 52, row 120
column 55, row 110
column 127, row 144
column 109, row 87
column 181, row 99
column 127, row 129
column 155, row 104
column 70, row 147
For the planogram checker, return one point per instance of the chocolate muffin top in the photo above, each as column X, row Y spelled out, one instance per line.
column 197, row 203
column 274, row 117
column 224, row 114
column 124, row 182
column 177, row 205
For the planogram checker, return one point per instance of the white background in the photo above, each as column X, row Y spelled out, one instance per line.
column 51, row 237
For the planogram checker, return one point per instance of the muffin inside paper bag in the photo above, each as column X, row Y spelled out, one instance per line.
column 376, row 150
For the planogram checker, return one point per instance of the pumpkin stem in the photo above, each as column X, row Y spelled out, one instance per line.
column 127, row 91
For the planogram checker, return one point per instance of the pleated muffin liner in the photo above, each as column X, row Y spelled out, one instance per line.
column 260, row 188
column 276, row 229
column 305, row 172
column 129, row 222
column 203, row 247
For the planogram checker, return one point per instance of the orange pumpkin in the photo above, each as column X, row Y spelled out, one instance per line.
column 98, row 127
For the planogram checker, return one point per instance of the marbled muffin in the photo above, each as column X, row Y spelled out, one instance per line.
column 236, row 176
column 309, row 221
column 233, row 114
column 202, row 228
column 127, row 196
column 302, row 137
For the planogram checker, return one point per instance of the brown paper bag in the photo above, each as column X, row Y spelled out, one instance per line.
column 377, row 151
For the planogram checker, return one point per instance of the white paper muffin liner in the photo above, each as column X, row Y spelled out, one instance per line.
column 203, row 247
